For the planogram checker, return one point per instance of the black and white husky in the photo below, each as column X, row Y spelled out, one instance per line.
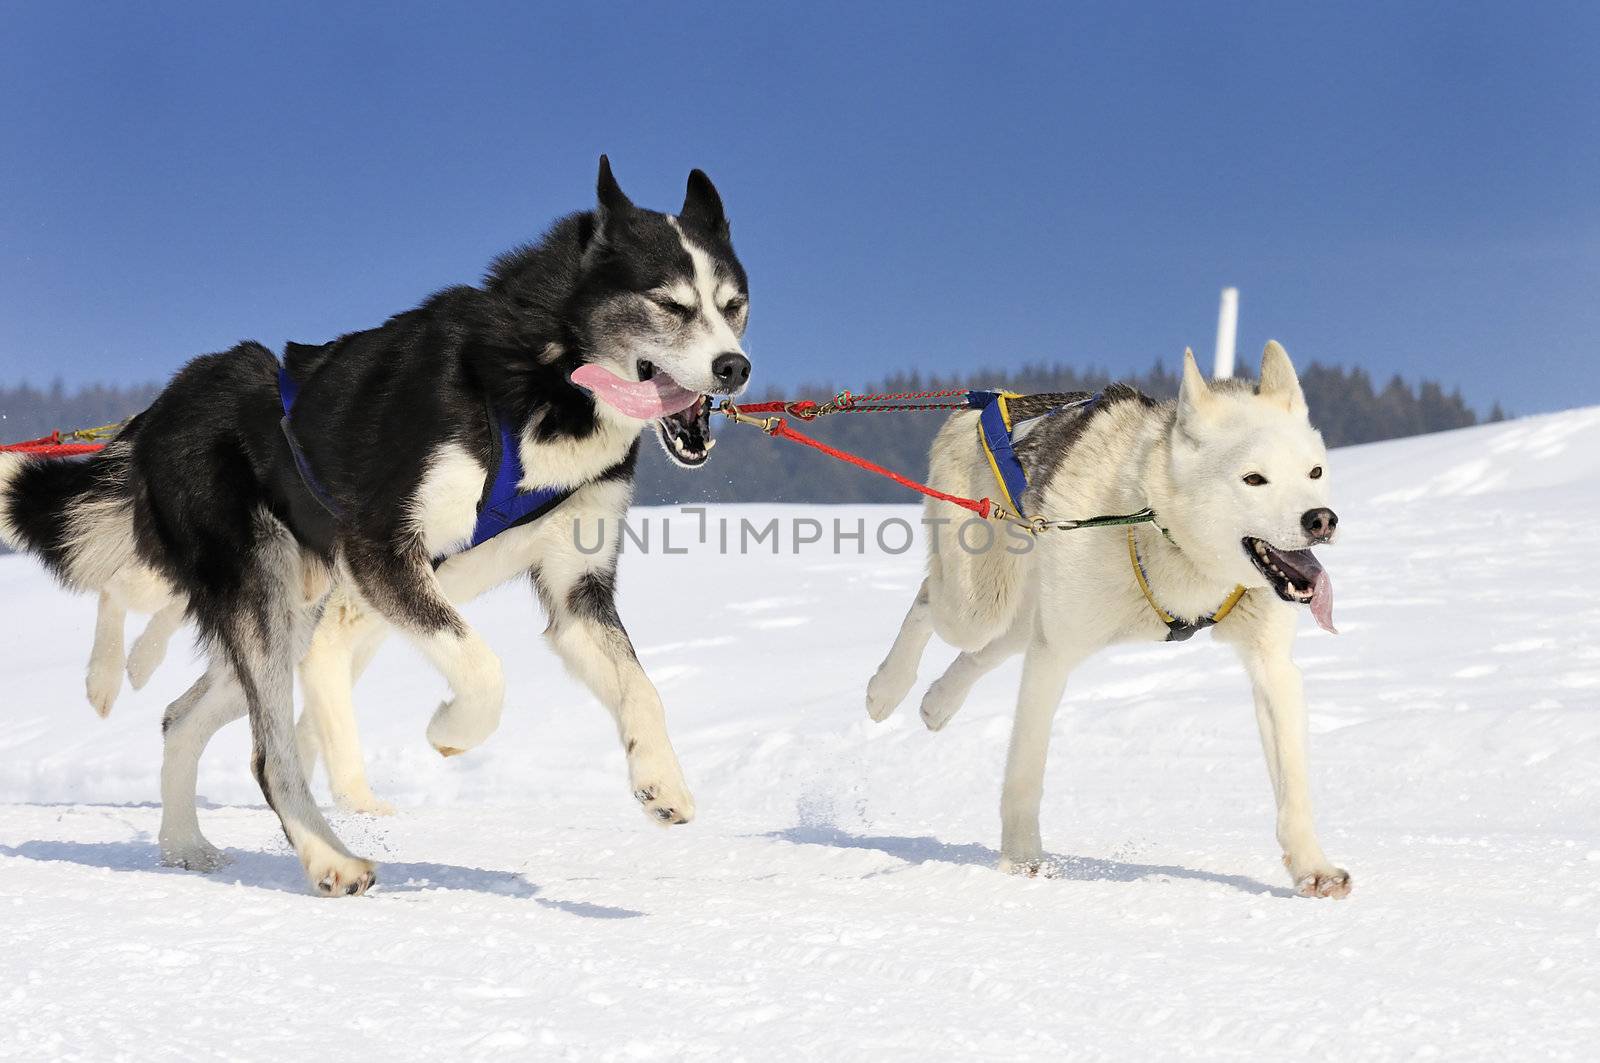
column 1236, row 476
column 376, row 482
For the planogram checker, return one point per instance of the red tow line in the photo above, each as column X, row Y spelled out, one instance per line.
column 50, row 446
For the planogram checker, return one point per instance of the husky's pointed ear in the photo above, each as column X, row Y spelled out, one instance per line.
column 612, row 204
column 1194, row 394
column 1279, row 380
column 702, row 206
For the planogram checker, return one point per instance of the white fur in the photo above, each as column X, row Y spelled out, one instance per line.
column 1075, row 593
column 445, row 508
column 567, row 462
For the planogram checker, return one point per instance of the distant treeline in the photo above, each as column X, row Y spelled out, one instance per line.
column 747, row 467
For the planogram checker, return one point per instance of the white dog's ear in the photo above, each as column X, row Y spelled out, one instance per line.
column 1279, row 380
column 1194, row 394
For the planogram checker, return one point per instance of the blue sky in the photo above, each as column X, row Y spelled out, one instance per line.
column 1409, row 187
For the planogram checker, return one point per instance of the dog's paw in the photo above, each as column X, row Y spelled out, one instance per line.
column 938, row 706
column 103, row 686
column 1323, row 882
column 458, row 726
column 886, row 690
column 337, row 875
column 658, row 785
column 1029, row 867
column 365, row 803
column 198, row 855
column 143, row 660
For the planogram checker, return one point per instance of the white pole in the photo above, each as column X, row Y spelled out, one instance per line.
column 1227, row 333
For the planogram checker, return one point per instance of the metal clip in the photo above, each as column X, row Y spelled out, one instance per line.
column 768, row 425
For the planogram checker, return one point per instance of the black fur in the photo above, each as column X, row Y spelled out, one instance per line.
column 1046, row 446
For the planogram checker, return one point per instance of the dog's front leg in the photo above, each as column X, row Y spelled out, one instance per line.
column 588, row 635
column 403, row 588
column 1281, row 715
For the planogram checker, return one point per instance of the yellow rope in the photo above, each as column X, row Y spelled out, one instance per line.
column 1167, row 618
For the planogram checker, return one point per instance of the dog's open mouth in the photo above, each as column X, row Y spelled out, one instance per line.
column 1296, row 576
column 686, row 435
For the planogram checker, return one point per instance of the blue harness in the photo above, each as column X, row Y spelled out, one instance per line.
column 504, row 504
column 995, row 429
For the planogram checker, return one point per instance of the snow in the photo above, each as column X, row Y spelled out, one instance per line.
column 836, row 898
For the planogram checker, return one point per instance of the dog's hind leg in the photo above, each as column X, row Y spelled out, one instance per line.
column 1044, row 677
column 898, row 672
column 341, row 649
column 588, row 635
column 949, row 692
column 189, row 723
column 104, row 680
column 150, row 648
column 264, row 632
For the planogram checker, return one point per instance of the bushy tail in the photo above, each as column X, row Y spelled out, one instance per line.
column 74, row 514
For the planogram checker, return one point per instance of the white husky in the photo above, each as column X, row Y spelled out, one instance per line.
column 1236, row 477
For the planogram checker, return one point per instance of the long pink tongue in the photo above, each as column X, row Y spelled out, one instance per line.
column 660, row 396
column 1322, row 603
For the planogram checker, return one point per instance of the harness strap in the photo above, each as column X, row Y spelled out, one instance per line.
column 288, row 391
column 1178, row 630
column 506, row 505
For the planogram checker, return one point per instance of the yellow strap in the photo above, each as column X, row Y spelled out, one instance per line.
column 1144, row 585
column 1227, row 606
column 1167, row 618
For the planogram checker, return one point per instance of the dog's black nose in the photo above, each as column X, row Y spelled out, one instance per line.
column 1320, row 523
column 731, row 369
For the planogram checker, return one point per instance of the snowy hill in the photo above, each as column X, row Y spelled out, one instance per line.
column 835, row 897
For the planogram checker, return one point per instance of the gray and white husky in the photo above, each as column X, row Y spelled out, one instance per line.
column 1237, row 479
column 378, row 480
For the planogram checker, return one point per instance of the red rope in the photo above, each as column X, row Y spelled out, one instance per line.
column 50, row 446
column 52, row 450
column 980, row 506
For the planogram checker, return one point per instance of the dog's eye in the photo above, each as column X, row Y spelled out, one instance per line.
column 1316, row 473
column 733, row 306
column 1255, row 479
column 675, row 308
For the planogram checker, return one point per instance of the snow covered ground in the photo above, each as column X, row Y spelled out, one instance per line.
column 836, row 898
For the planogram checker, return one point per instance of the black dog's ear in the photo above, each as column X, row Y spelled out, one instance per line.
column 612, row 204
column 702, row 207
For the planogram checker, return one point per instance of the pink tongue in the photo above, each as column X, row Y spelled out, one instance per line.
column 1322, row 603
column 660, row 396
